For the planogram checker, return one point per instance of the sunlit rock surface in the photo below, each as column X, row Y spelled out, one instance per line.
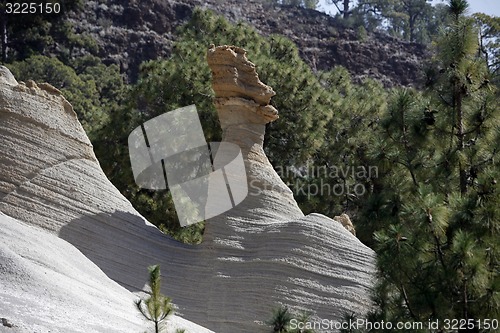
column 259, row 254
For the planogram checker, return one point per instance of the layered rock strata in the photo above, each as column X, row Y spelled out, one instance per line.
column 51, row 184
column 259, row 254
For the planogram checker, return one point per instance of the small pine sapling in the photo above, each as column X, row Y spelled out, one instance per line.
column 157, row 307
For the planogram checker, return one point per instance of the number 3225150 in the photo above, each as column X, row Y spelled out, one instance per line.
column 464, row 324
column 32, row 8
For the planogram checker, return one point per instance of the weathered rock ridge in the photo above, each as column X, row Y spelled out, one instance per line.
column 50, row 178
column 261, row 253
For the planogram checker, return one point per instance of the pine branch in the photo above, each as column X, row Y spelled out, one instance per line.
column 338, row 8
column 407, row 303
column 437, row 242
column 445, row 101
column 142, row 311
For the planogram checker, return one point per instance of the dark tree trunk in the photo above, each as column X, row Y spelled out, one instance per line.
column 346, row 8
column 412, row 28
column 4, row 35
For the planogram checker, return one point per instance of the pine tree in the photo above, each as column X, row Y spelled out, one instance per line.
column 345, row 4
column 489, row 42
column 340, row 171
column 438, row 250
column 157, row 307
column 280, row 320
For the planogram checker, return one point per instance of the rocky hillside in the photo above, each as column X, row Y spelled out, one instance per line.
column 129, row 32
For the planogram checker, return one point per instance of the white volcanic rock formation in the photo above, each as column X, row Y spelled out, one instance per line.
column 259, row 254
column 49, row 178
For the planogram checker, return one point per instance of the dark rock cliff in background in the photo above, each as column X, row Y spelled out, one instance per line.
column 129, row 32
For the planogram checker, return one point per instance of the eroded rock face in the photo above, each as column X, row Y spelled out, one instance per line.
column 257, row 255
column 243, row 106
column 51, row 184
column 345, row 220
column 234, row 76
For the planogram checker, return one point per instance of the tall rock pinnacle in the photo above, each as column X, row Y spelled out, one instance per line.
column 242, row 103
column 241, row 99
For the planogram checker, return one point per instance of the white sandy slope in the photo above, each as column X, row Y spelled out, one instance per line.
column 47, row 285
